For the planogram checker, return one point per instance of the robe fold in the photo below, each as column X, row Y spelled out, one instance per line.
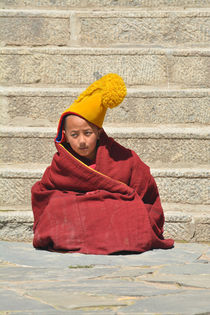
column 110, row 209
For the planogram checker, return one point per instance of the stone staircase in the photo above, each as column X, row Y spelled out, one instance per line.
column 52, row 50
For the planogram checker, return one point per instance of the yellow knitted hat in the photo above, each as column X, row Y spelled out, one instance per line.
column 92, row 104
column 107, row 92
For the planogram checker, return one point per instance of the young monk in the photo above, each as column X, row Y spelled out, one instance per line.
column 97, row 197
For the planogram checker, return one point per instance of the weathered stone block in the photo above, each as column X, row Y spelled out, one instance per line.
column 65, row 66
column 78, row 67
column 43, row 106
column 190, row 71
column 144, row 28
column 179, row 230
column 66, row 4
column 181, row 225
column 183, row 189
column 16, row 226
column 34, row 110
column 16, row 183
column 202, row 227
column 161, row 108
column 16, row 191
column 171, row 151
column 33, row 30
column 37, row 147
column 155, row 146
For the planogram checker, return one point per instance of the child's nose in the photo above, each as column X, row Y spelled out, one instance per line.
column 82, row 139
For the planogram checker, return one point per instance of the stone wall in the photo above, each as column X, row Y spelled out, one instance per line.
column 50, row 50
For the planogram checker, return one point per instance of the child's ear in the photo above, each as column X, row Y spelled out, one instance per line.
column 63, row 135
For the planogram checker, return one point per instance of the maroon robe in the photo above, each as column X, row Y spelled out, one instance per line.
column 113, row 208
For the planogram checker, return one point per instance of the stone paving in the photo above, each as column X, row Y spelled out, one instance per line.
column 175, row 281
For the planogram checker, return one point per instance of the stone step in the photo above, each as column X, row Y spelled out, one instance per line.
column 182, row 222
column 181, row 185
column 93, row 4
column 157, row 145
column 35, row 106
column 70, row 67
column 105, row 28
column 168, row 29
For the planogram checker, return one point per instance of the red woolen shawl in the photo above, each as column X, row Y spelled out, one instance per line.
column 112, row 208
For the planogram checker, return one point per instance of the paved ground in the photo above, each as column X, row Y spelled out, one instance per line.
column 175, row 281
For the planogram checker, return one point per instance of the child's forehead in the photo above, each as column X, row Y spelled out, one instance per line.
column 74, row 121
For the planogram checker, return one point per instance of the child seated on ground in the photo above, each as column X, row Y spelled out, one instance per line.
column 97, row 197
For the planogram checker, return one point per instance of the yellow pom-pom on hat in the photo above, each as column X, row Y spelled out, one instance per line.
column 107, row 92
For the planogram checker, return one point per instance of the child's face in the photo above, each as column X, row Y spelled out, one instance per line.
column 82, row 136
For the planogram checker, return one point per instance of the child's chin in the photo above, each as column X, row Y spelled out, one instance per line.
column 83, row 153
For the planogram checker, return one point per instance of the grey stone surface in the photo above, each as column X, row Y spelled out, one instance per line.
column 34, row 110
column 180, row 230
column 56, row 311
column 196, row 77
column 194, row 281
column 16, row 183
column 33, row 30
column 67, row 4
column 160, row 67
column 33, row 106
column 190, row 269
column 77, row 67
column 16, row 222
column 171, row 145
column 16, row 252
column 147, row 28
column 16, row 230
column 196, row 302
column 10, row 301
column 181, row 189
column 181, row 223
column 162, row 28
column 158, row 281
column 16, row 225
column 161, row 108
column 171, row 151
column 202, row 232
